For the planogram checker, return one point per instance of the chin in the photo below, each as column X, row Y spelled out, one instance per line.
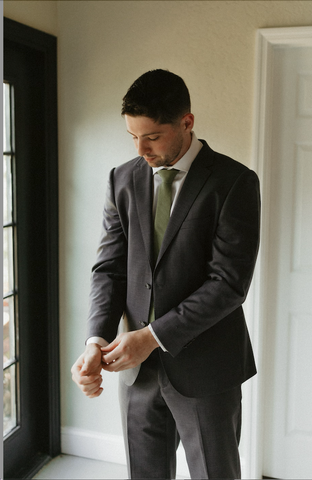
column 154, row 162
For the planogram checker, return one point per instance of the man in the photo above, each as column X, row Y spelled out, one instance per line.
column 178, row 280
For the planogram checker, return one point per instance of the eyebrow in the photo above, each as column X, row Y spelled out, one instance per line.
column 146, row 134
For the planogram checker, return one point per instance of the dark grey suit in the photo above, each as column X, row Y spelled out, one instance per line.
column 199, row 280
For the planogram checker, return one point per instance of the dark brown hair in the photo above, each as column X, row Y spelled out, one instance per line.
column 159, row 95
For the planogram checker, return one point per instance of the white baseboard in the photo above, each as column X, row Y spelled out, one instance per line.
column 95, row 445
column 106, row 448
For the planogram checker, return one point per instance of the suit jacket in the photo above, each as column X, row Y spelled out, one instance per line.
column 200, row 278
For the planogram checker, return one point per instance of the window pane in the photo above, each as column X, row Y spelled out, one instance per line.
column 7, row 190
column 8, row 278
column 8, row 329
column 6, row 118
column 9, row 287
column 9, row 399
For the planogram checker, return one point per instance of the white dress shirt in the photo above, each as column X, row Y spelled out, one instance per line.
column 183, row 165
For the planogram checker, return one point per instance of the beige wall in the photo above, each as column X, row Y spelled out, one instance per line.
column 34, row 13
column 102, row 47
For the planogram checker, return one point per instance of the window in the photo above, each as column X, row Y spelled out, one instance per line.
column 31, row 345
column 10, row 310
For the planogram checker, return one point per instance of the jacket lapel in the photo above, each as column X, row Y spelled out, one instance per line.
column 143, row 190
column 194, row 182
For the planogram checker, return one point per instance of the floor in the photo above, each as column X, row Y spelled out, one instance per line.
column 68, row 466
column 71, row 467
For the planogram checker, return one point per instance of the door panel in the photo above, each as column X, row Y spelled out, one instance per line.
column 288, row 385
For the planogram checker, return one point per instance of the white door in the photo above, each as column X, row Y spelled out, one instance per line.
column 288, row 331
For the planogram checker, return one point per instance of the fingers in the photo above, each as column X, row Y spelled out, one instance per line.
column 111, row 357
column 121, row 363
column 116, row 360
column 109, row 348
column 111, row 353
column 112, row 363
column 128, row 350
column 86, row 372
column 123, row 353
column 90, row 385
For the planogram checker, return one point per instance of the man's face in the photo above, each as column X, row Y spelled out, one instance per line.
column 160, row 144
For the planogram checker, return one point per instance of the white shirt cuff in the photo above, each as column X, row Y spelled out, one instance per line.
column 156, row 338
column 98, row 340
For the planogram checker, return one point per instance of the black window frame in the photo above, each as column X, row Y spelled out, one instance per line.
column 40, row 43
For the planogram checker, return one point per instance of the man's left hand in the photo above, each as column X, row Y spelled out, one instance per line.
column 128, row 350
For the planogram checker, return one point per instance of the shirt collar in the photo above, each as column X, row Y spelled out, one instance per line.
column 185, row 162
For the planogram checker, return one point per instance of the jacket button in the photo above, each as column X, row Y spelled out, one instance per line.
column 148, row 286
column 144, row 324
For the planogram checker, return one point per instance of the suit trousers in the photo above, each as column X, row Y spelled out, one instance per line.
column 155, row 417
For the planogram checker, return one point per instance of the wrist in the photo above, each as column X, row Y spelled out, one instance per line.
column 149, row 338
column 93, row 347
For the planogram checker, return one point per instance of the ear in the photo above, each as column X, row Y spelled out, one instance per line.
column 188, row 122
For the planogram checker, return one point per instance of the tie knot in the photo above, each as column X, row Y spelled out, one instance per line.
column 167, row 176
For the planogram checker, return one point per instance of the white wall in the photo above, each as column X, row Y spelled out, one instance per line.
column 103, row 46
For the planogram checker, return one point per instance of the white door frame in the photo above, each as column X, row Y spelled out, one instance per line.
column 267, row 40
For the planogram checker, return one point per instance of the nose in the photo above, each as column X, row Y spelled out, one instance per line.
column 142, row 147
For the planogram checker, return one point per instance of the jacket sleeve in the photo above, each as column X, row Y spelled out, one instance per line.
column 229, row 271
column 108, row 279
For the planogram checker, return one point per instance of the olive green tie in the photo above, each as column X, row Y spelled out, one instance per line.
column 162, row 215
column 164, row 202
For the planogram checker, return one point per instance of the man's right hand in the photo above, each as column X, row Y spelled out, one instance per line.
column 86, row 371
